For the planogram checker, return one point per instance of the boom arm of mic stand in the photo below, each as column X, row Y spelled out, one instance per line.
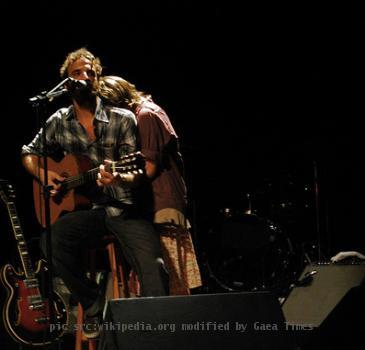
column 50, row 95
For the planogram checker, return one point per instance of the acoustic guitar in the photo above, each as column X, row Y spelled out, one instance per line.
column 26, row 312
column 78, row 171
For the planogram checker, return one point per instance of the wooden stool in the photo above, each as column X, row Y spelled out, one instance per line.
column 119, row 282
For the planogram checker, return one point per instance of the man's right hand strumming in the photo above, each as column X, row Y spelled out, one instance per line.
column 54, row 180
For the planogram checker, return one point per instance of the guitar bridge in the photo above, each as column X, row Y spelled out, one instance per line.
column 41, row 320
column 36, row 306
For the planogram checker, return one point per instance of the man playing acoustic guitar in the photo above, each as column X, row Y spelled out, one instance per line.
column 89, row 129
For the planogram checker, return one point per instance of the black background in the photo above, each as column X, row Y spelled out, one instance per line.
column 261, row 97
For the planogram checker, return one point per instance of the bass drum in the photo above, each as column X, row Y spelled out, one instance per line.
column 247, row 253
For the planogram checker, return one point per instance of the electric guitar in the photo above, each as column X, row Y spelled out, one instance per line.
column 26, row 313
column 78, row 172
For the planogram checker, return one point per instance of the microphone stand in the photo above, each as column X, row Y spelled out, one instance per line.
column 39, row 102
column 317, row 209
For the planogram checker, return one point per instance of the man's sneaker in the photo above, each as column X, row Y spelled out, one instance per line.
column 97, row 308
column 91, row 326
column 94, row 314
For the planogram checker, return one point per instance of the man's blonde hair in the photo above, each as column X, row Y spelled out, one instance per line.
column 80, row 53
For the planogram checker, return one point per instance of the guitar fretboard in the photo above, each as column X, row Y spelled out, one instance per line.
column 129, row 164
column 19, row 238
column 81, row 179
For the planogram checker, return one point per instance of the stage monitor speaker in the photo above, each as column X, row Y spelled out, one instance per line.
column 211, row 321
column 309, row 305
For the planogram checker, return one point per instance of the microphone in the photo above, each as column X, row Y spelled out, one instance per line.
column 74, row 84
column 68, row 86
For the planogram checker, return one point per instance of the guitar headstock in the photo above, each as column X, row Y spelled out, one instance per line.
column 7, row 191
column 133, row 163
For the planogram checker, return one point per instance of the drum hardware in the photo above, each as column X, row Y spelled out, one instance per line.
column 212, row 276
column 248, row 250
column 249, row 209
column 247, row 253
column 227, row 212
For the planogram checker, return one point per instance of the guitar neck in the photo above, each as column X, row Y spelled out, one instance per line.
column 80, row 179
column 21, row 243
column 132, row 163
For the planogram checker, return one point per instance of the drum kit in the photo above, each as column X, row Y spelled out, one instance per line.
column 253, row 247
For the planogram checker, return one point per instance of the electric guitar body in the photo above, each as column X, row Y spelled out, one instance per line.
column 29, row 317
column 26, row 314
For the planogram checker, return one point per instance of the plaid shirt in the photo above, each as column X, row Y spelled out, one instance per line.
column 115, row 131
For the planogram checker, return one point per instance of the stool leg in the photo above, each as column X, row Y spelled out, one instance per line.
column 78, row 342
column 113, row 267
column 92, row 344
column 123, row 278
column 118, row 278
column 79, row 336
